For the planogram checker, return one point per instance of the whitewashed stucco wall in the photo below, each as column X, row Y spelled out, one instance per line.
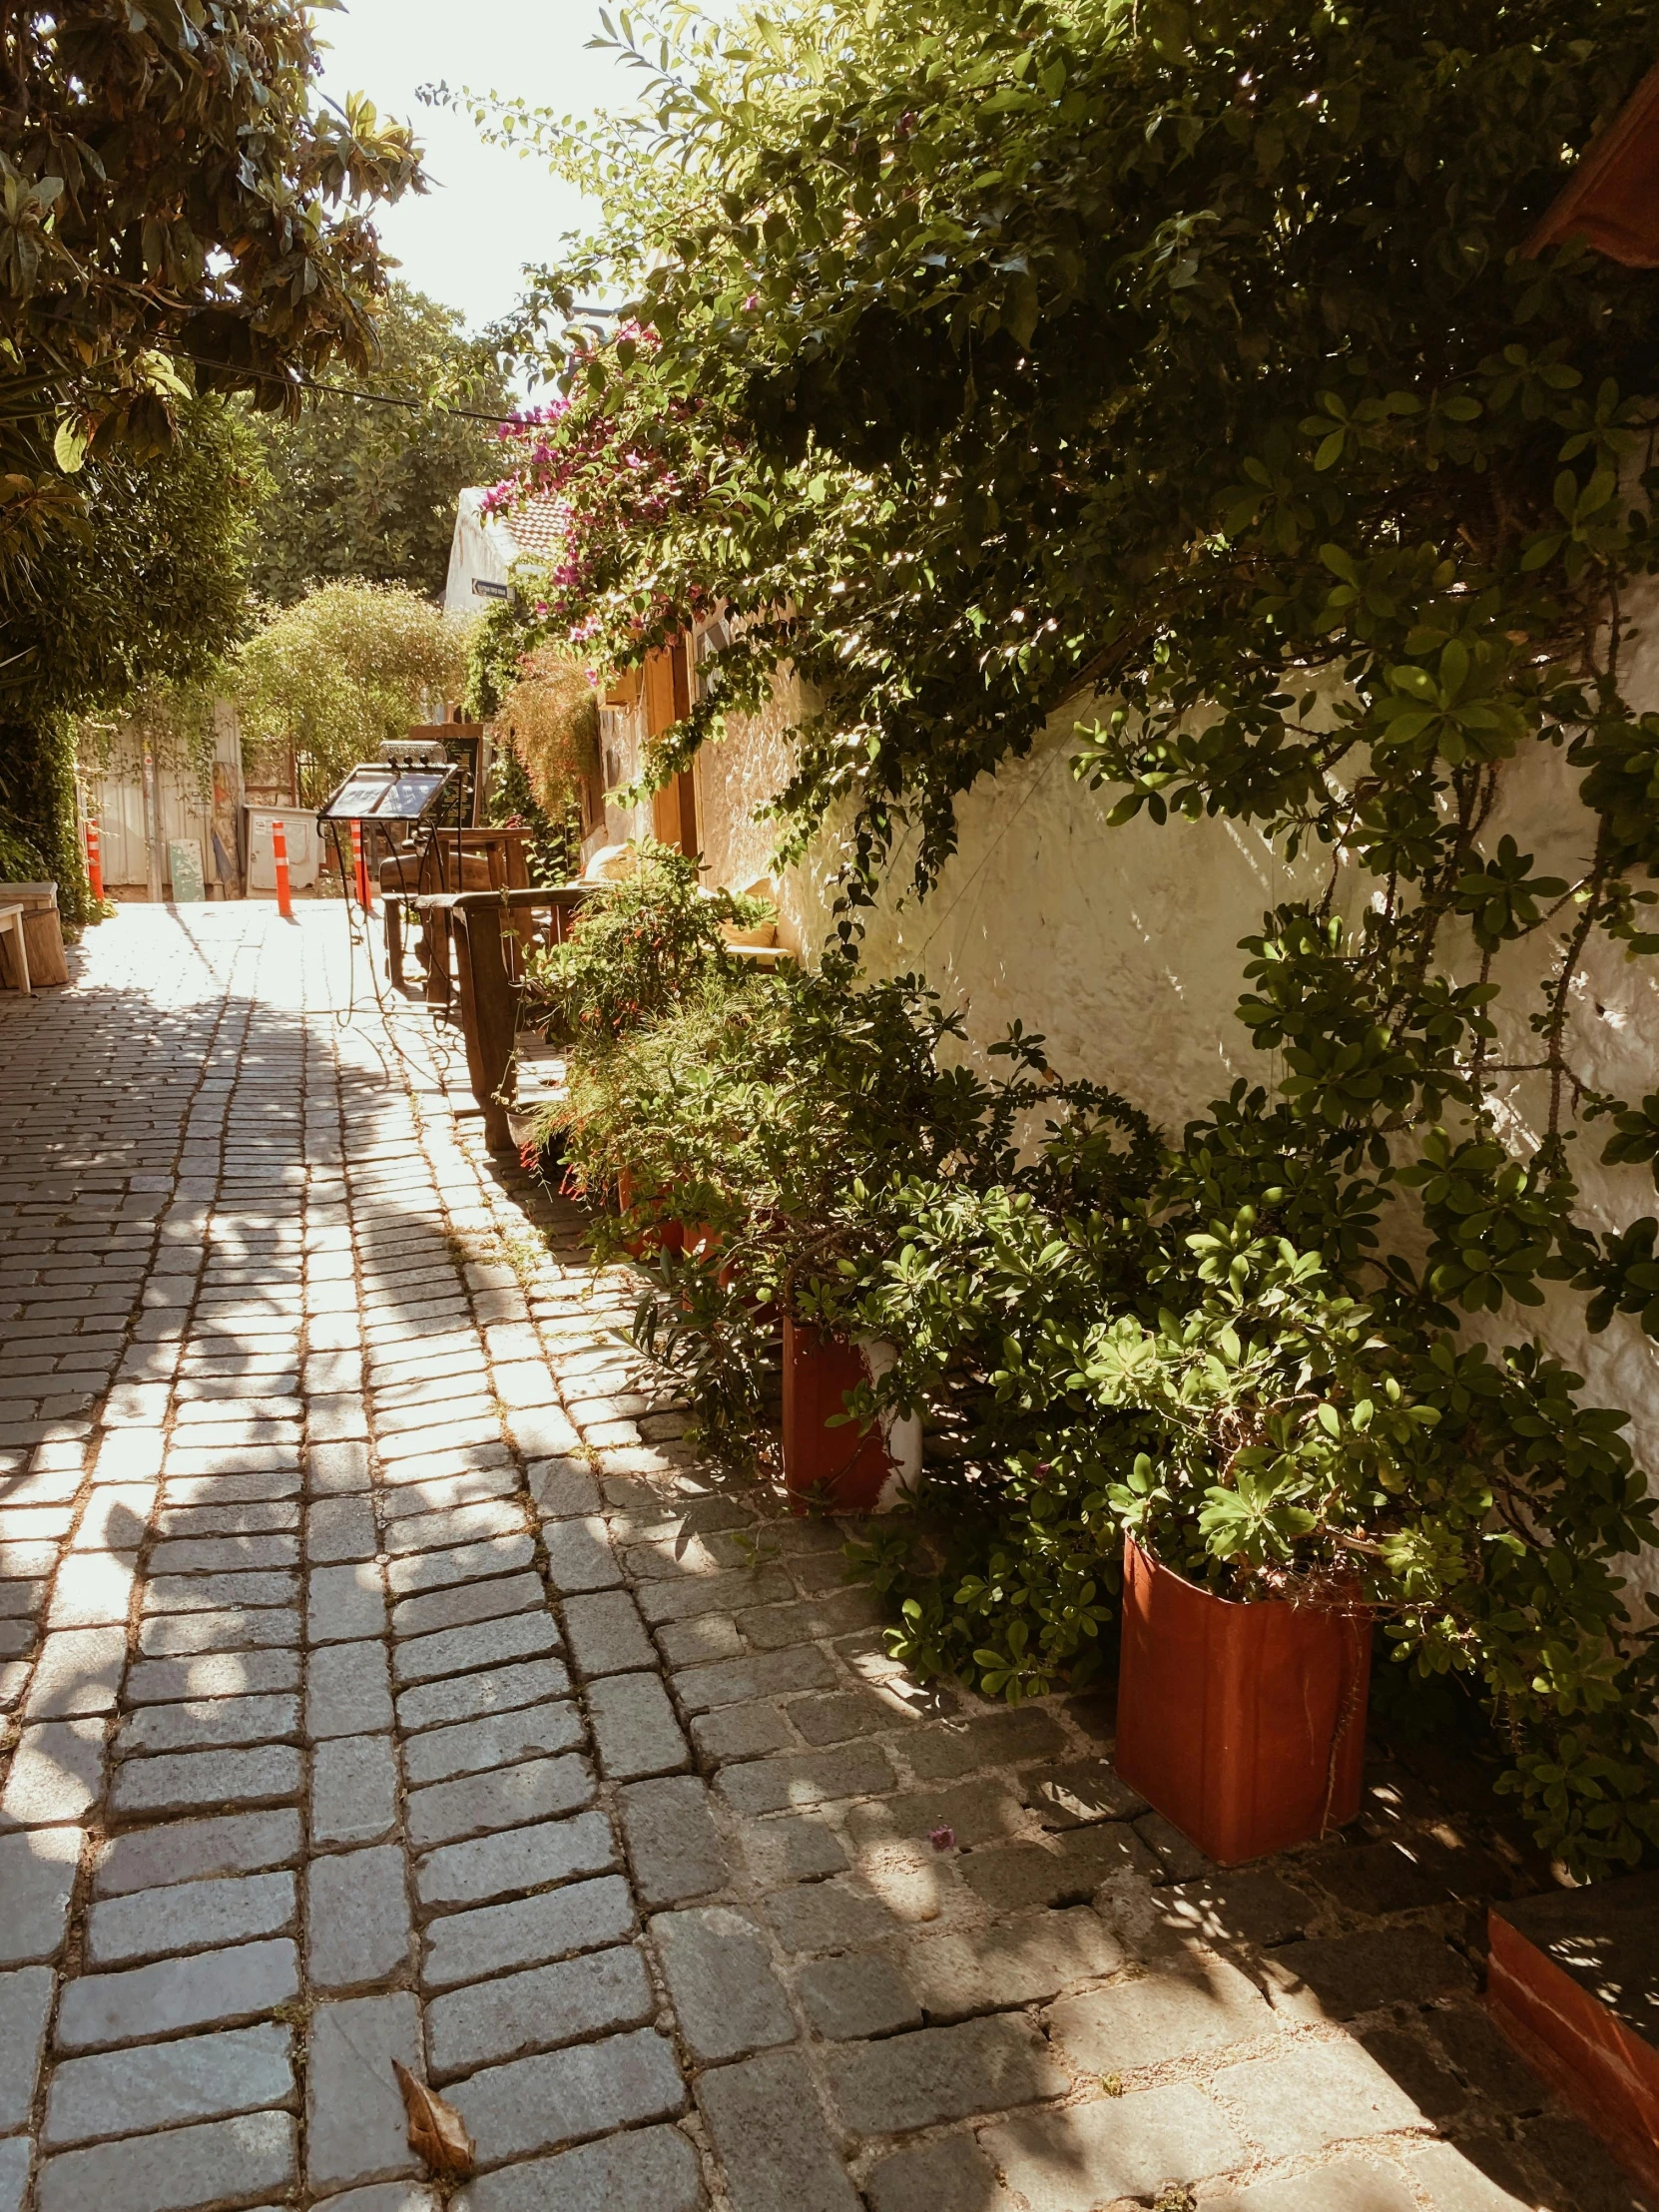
column 1121, row 947
column 736, row 777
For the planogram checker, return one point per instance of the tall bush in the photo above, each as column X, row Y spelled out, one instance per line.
column 343, row 672
column 150, row 592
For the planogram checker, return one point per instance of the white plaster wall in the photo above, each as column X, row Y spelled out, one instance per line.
column 736, row 776
column 1121, row 947
column 1118, row 946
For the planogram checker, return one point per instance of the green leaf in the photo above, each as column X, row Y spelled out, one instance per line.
column 69, row 447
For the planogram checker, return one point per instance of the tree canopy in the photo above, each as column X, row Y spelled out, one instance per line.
column 343, row 670
column 151, row 593
column 181, row 213
column 990, row 354
column 365, row 490
column 176, row 187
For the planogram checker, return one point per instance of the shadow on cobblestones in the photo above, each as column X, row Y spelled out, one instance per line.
column 388, row 1680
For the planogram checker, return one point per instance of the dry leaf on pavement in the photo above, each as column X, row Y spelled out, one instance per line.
column 437, row 2132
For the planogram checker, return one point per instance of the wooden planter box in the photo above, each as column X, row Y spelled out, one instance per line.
column 853, row 1470
column 1574, row 1984
column 1244, row 1725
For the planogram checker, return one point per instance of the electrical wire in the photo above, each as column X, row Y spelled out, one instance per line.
column 381, row 399
column 349, row 391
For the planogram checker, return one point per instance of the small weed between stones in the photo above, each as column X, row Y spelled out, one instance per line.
column 757, row 1550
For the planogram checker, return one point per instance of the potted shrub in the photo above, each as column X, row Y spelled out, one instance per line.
column 1290, row 1474
column 1280, row 1437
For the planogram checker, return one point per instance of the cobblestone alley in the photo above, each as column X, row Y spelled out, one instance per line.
column 385, row 1682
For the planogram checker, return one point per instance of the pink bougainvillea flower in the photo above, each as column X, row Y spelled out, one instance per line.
column 943, row 1837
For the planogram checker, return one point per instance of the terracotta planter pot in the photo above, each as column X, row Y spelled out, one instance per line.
column 1570, row 1980
column 663, row 1236
column 1244, row 1725
column 858, row 1471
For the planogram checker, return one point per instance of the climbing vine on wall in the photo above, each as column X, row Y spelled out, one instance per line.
column 1186, row 371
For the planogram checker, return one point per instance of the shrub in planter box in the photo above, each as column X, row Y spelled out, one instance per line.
column 1182, row 1373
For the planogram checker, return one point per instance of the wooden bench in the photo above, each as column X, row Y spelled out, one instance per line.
column 440, row 864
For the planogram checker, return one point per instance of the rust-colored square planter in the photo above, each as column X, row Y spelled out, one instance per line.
column 1244, row 1725
column 660, row 1235
column 849, row 1469
column 1574, row 1984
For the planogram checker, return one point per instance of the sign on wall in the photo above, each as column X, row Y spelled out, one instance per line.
column 184, row 867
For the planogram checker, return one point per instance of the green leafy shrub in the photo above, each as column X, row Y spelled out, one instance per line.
column 1189, row 1344
column 636, row 949
column 1201, row 1348
column 788, row 1117
column 20, row 862
column 340, row 673
column 1186, row 1374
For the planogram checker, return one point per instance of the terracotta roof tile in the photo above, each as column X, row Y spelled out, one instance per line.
column 538, row 527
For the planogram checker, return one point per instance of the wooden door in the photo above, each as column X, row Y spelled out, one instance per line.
column 667, row 701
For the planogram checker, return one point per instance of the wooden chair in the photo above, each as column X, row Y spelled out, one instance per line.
column 491, row 932
column 418, row 882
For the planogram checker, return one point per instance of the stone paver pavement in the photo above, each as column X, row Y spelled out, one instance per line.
column 385, row 1680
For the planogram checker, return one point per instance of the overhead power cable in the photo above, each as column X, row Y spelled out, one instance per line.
column 382, row 399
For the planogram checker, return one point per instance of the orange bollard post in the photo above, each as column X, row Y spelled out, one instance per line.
column 95, row 863
column 359, row 868
column 280, row 855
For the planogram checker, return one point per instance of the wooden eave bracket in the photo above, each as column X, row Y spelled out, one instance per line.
column 1611, row 200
